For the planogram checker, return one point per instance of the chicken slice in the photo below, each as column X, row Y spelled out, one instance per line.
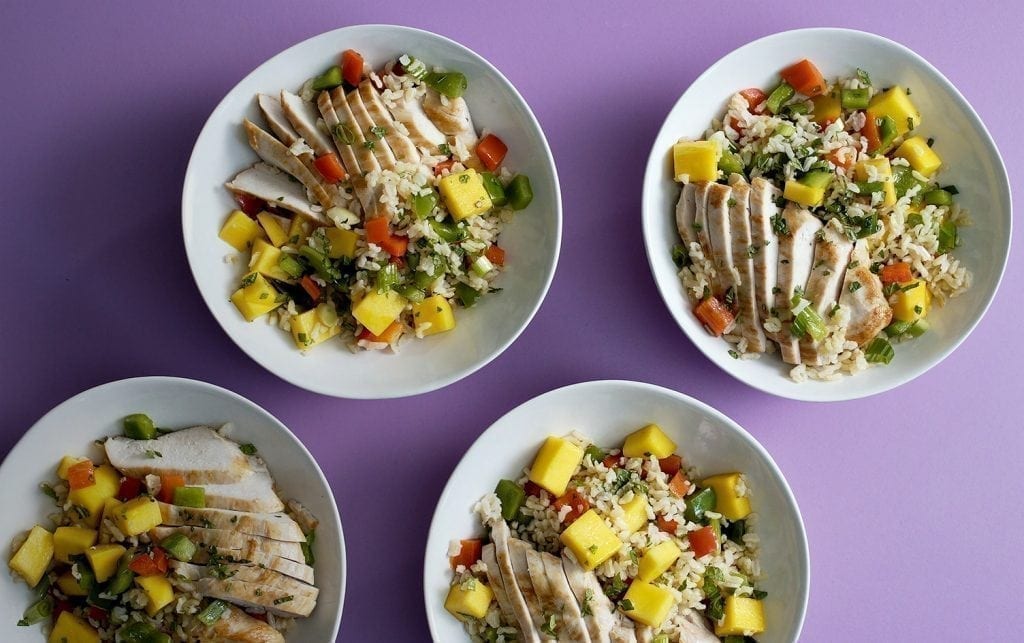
column 719, row 233
column 572, row 628
column 700, row 225
column 501, row 536
column 367, row 161
column 452, row 117
column 253, row 493
column 868, row 307
column 518, row 551
column 748, row 320
column 695, row 629
column 831, row 255
column 796, row 256
column 274, row 152
column 270, row 184
column 686, row 209
column 763, row 210
column 301, row 571
column 604, row 624
column 408, row 110
column 373, row 134
column 250, row 586
column 644, row 634
column 200, row 454
column 401, row 145
column 245, row 545
column 344, row 137
column 303, row 117
column 497, row 584
column 275, row 526
column 237, row 627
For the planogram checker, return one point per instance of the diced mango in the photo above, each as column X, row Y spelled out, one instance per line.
column 240, row 231
column 555, row 463
column 256, row 297
column 104, row 559
column 109, row 506
column 342, row 242
column 882, row 172
column 742, row 616
column 72, row 541
column 437, row 312
column 921, row 157
column 827, row 108
column 912, row 304
column 71, row 629
column 895, row 103
column 377, row 310
column 68, row 584
column 34, row 555
column 137, row 516
column 66, row 463
column 299, row 228
column 648, row 440
column 804, row 195
column 265, row 259
column 273, row 229
column 657, row 560
column 635, row 513
column 158, row 590
column 308, row 330
column 90, row 499
column 696, row 160
column 465, row 195
column 468, row 599
column 590, row 539
column 728, row 501
column 651, row 603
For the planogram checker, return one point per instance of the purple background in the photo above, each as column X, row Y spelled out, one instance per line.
column 911, row 498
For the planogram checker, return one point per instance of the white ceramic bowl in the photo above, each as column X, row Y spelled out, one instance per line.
column 531, row 240
column 972, row 163
column 607, row 411
column 71, row 428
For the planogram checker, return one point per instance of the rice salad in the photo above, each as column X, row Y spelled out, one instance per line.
column 375, row 211
column 813, row 222
column 649, row 549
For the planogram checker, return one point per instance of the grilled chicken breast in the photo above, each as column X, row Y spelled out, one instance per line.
column 561, row 601
column 497, row 583
column 796, row 258
column 686, row 211
column 763, row 210
column 603, row 623
column 831, row 255
column 520, row 568
column 700, row 225
column 743, row 250
column 409, row 111
column 303, row 117
column 869, row 309
column 250, row 586
column 276, row 526
column 452, row 117
column 274, row 152
column 245, row 547
column 401, row 145
column 502, row 537
column 200, row 454
column 270, row 184
column 237, row 627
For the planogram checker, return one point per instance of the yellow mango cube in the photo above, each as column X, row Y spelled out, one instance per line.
column 590, row 539
column 921, row 157
column 158, row 590
column 648, row 440
column 635, row 513
column 728, row 501
column 651, row 603
column 66, row 463
column 240, row 231
column 827, row 108
column 308, row 330
column 803, row 195
column 256, row 297
column 109, row 506
column 272, row 228
column 104, row 559
column 913, row 304
column 298, row 229
column 33, row 556
column 880, row 168
column 695, row 160
column 72, row 541
column 435, row 311
column 895, row 103
column 468, row 599
column 555, row 463
column 265, row 259
column 342, row 242
column 90, row 499
column 465, row 195
column 657, row 560
column 377, row 310
column 71, row 629
column 137, row 516
column 742, row 616
column 68, row 584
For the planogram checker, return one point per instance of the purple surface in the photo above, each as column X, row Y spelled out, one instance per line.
column 911, row 498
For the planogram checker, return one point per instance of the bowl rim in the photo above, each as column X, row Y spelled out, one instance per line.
column 158, row 381
column 834, row 391
column 803, row 549
column 550, row 263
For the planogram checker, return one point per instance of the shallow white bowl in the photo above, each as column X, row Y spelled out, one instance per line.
column 532, row 239
column 606, row 411
column 972, row 163
column 71, row 428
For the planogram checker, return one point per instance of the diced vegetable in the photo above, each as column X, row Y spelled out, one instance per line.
column 871, row 134
column 328, row 80
column 389, row 336
column 879, row 351
column 158, row 590
column 649, row 439
column 806, row 320
column 190, row 497
column 81, row 475
column 657, row 559
column 66, row 463
column 897, row 328
column 308, row 329
column 139, row 426
column 452, row 84
column 912, row 301
column 168, row 483
column 742, row 617
column 754, row 97
column 377, row 310
column 90, row 500
column 805, row 78
column 469, row 553
column 69, row 586
column 212, row 612
column 678, row 485
column 635, row 513
column 895, row 104
column 577, row 503
column 256, row 297
column 590, row 539
column 137, row 516
column 141, row 632
column 728, row 500
column 715, row 316
column 555, row 463
column 949, row 237
column 802, row 194
column 519, row 192
column 330, row 168
column 151, row 564
column 395, row 245
column 495, row 255
column 33, row 556
column 71, row 629
column 491, row 150
column 249, row 204
column 919, row 327
column 881, row 169
column 730, row 163
column 920, row 156
column 122, row 579
column 104, row 559
column 436, row 311
column 666, row 525
column 377, row 230
column 896, row 273
column 465, row 195
column 72, row 541
column 938, row 196
column 272, row 228
column 240, row 231
column 887, row 132
column 511, row 496
column 695, row 160
column 649, row 604
column 703, row 541
column 779, row 97
column 266, row 259
column 494, row 189
column 342, row 243
column 855, row 98
column 351, row 66
column 827, row 109
column 699, row 503
column 424, row 204
column 670, row 465
column 468, row 599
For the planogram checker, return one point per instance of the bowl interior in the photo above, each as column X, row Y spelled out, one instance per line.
column 971, row 162
column 606, row 412
column 71, row 428
column 531, row 240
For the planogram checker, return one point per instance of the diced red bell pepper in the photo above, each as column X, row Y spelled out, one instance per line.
column 492, row 151
column 495, row 255
column 130, row 488
column 805, row 78
column 754, row 97
column 151, row 564
column 679, row 485
column 532, row 489
column 715, row 316
column 670, row 465
column 250, row 204
column 896, row 273
column 842, row 157
column 97, row 614
column 468, row 554
column 576, row 501
column 666, row 525
column 168, row 483
column 442, row 166
column 610, row 461
column 389, row 336
column 311, row 287
column 703, row 541
column 330, row 168
column 395, row 245
column 871, row 133
column 377, row 230
column 351, row 66
column 81, row 475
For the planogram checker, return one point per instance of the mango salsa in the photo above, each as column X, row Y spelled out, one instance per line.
column 104, row 559
column 437, row 312
column 804, row 195
column 377, row 310
column 72, row 541
column 920, row 156
column 66, row 463
column 651, row 603
column 555, row 463
column 265, row 259
column 468, row 599
column 273, row 229
column 657, row 560
column 895, row 103
column 696, row 160
column 137, row 516
column 883, row 172
column 34, row 556
column 465, row 195
column 240, row 231
column 91, row 499
column 590, row 539
column 342, row 243
column 648, row 440
column 158, row 590
column 636, row 513
column 742, row 616
column 728, row 502
column 68, row 584
column 256, row 297
column 71, row 629
column 912, row 304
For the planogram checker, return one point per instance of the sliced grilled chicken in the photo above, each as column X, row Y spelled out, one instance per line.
column 695, row 629
column 686, row 210
column 372, row 133
column 401, row 145
column 200, row 454
column 245, row 545
column 748, row 320
column 796, row 257
column 247, row 573
column 272, row 112
column 276, row 526
column 700, row 225
column 303, row 117
column 644, row 634
column 541, row 586
column 451, row 116
column 270, row 184
column 253, row 493
column 720, row 234
column 496, row 583
column 501, row 536
column 274, row 152
column 603, row 624
column 250, row 586
column 345, row 138
column 409, row 111
column 301, row 571
column 572, row 628
column 237, row 627
column 763, row 209
column 518, row 551
column 831, row 255
column 869, row 310
column 304, row 517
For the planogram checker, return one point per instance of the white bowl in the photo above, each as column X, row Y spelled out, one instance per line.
column 71, row 428
column 531, row 240
column 606, row 411
column 972, row 163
